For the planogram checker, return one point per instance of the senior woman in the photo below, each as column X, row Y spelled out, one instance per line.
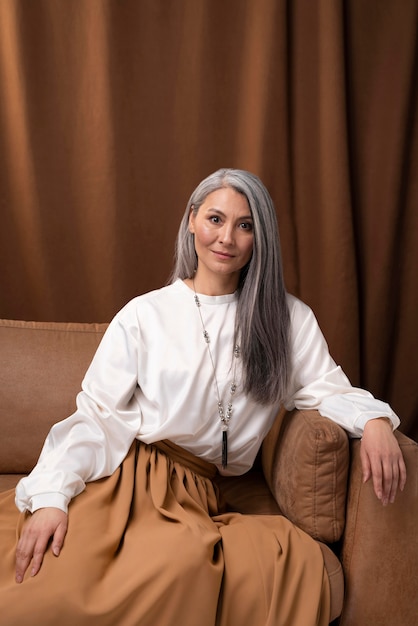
column 120, row 519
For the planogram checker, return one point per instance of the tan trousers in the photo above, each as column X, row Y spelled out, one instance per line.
column 148, row 546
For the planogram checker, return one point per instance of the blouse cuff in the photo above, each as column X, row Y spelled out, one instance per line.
column 42, row 501
column 353, row 411
column 370, row 415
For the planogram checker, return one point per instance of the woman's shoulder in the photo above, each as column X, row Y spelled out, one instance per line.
column 301, row 315
column 158, row 299
column 297, row 307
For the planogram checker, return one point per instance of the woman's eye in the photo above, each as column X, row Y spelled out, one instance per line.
column 246, row 226
column 214, row 219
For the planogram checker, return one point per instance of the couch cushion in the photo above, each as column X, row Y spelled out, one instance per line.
column 305, row 462
column 42, row 365
column 9, row 481
column 247, row 494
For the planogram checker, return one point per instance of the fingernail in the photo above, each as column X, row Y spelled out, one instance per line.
column 18, row 578
column 56, row 550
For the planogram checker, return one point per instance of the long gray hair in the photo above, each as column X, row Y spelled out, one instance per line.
column 262, row 320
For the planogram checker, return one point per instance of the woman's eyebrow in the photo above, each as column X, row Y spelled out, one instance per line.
column 219, row 212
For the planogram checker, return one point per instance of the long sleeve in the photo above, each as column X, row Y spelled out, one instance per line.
column 92, row 442
column 317, row 382
column 151, row 379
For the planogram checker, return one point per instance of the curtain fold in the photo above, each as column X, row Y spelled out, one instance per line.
column 111, row 113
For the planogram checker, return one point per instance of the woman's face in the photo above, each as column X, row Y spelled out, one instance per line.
column 223, row 231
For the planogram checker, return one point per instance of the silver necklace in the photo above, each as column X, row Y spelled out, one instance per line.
column 224, row 415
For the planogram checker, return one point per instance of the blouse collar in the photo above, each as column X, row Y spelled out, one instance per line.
column 204, row 299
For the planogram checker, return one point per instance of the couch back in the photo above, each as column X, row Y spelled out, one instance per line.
column 42, row 365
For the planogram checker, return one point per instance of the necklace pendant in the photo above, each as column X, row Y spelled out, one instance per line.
column 224, row 449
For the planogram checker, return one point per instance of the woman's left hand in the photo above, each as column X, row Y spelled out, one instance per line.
column 382, row 460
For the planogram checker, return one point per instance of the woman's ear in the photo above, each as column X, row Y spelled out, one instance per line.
column 191, row 220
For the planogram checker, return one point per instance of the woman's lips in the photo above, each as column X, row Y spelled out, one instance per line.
column 222, row 255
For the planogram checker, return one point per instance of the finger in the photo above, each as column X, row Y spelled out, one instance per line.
column 58, row 539
column 402, row 473
column 365, row 464
column 41, row 546
column 394, row 484
column 30, row 549
column 371, row 468
column 24, row 553
column 377, row 474
column 394, row 477
column 388, row 478
column 37, row 559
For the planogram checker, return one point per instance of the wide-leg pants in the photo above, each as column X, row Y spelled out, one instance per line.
column 149, row 546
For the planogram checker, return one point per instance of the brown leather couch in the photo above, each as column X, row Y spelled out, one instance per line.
column 308, row 470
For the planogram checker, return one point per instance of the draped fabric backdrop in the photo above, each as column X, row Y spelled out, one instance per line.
column 111, row 112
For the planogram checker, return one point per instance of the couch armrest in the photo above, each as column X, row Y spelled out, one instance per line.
column 380, row 548
column 305, row 460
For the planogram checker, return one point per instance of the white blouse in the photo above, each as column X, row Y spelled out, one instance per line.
column 152, row 379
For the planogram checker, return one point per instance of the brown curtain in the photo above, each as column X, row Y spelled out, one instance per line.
column 111, row 111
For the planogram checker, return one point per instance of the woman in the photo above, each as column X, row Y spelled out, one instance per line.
column 186, row 383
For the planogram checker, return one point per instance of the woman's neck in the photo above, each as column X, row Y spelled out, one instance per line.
column 212, row 287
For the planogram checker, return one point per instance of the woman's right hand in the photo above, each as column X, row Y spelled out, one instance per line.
column 42, row 526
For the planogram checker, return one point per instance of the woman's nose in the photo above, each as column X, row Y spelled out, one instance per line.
column 227, row 234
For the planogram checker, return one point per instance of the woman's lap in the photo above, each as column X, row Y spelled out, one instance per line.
column 148, row 546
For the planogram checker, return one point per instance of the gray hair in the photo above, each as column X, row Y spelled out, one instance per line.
column 262, row 321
